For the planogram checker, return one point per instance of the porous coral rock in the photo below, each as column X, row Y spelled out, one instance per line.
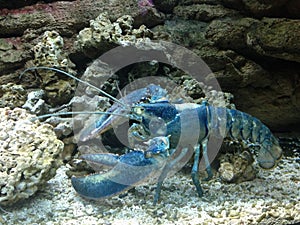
column 29, row 154
column 35, row 102
column 11, row 95
column 192, row 90
column 103, row 34
column 237, row 167
column 49, row 52
column 201, row 92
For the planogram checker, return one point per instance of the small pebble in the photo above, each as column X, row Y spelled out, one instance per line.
column 2, row 221
column 273, row 214
column 261, row 217
column 233, row 213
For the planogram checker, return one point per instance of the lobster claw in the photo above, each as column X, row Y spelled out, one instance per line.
column 127, row 171
column 104, row 123
column 97, row 186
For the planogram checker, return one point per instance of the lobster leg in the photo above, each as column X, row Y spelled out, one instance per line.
column 157, row 192
column 169, row 165
column 195, row 171
column 206, row 160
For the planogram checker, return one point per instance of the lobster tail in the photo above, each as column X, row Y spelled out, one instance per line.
column 244, row 127
column 270, row 153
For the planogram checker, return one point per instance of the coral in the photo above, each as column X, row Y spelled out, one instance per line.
column 236, row 167
column 103, row 34
column 35, row 103
column 201, row 92
column 29, row 153
column 192, row 90
column 49, row 52
column 12, row 95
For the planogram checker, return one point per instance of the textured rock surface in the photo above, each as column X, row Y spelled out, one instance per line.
column 277, row 38
column 235, row 168
column 49, row 52
column 29, row 155
column 251, row 45
column 256, row 59
column 12, row 54
column 11, row 95
column 21, row 27
column 35, row 102
column 104, row 35
column 67, row 16
column 203, row 12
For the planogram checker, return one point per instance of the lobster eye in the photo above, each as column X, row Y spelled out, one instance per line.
column 139, row 110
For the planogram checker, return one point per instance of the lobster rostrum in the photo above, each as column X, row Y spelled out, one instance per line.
column 172, row 133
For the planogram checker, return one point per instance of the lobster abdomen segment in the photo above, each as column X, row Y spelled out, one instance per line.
column 244, row 127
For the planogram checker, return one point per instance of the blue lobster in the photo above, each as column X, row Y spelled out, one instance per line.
column 177, row 118
column 173, row 132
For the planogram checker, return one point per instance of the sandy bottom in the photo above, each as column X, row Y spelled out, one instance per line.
column 272, row 198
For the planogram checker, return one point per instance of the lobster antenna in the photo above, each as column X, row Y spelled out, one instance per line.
column 3, row 210
column 75, row 78
column 119, row 90
column 77, row 113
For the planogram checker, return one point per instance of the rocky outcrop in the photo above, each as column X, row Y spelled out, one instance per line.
column 49, row 52
column 12, row 95
column 251, row 45
column 254, row 55
column 103, row 35
column 67, row 16
column 270, row 37
column 29, row 155
column 21, row 26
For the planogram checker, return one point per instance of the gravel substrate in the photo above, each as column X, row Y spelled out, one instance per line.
column 272, row 198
